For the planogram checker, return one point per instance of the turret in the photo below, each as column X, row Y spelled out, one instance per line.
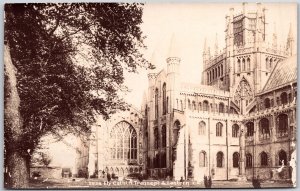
column 173, row 73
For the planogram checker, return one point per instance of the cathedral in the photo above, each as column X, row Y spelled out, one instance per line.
column 238, row 123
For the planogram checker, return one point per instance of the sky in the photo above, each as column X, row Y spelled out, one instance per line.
column 191, row 23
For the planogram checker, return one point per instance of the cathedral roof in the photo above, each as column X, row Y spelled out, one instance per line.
column 202, row 89
column 284, row 73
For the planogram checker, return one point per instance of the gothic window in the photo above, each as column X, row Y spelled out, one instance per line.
column 219, row 71
column 164, row 99
column 239, row 65
column 248, row 64
column 156, row 161
column 238, row 32
column 235, row 130
column 264, row 128
column 202, row 159
column 221, row 108
column 220, row 158
column 267, row 103
column 176, row 129
column 243, row 92
column 189, row 104
column 156, row 138
column 205, row 106
column 250, row 129
column 123, row 142
column 219, row 129
column 248, row 160
column 282, row 157
column 284, row 98
column 235, row 160
column 210, row 76
column 164, row 136
column 282, row 124
column 213, row 71
column 156, row 103
column 243, row 64
column 263, row 159
column 201, row 127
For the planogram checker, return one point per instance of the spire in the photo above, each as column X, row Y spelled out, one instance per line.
column 205, row 47
column 290, row 35
column 216, row 45
column 173, row 50
column 290, row 41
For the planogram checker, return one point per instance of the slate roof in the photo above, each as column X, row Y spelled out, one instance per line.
column 284, row 73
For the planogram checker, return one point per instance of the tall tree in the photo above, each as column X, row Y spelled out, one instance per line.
column 69, row 61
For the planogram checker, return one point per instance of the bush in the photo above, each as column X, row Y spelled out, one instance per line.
column 256, row 183
column 207, row 182
column 108, row 177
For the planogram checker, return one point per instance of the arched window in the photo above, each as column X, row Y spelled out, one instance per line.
column 282, row 124
column 239, row 65
column 222, row 70
column 205, row 106
column 123, row 142
column 264, row 128
column 282, row 157
column 213, row 73
column 156, row 138
column 267, row 103
column 167, row 104
column 219, row 129
column 200, row 106
column 284, row 98
column 244, row 64
column 176, row 129
column 248, row 64
column 250, row 129
column 207, row 77
column 189, row 104
column 235, row 130
column 271, row 63
column 221, row 107
column 201, row 127
column 164, row 99
column 219, row 71
column 210, row 76
column 163, row 160
column 181, row 105
column 235, row 160
column 263, row 159
column 220, row 157
column 267, row 63
column 156, row 103
column 202, row 159
column 248, row 160
column 194, row 106
column 164, row 136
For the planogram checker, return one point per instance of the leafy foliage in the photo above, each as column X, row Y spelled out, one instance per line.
column 70, row 60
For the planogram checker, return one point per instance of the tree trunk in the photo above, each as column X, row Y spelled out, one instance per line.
column 16, row 169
